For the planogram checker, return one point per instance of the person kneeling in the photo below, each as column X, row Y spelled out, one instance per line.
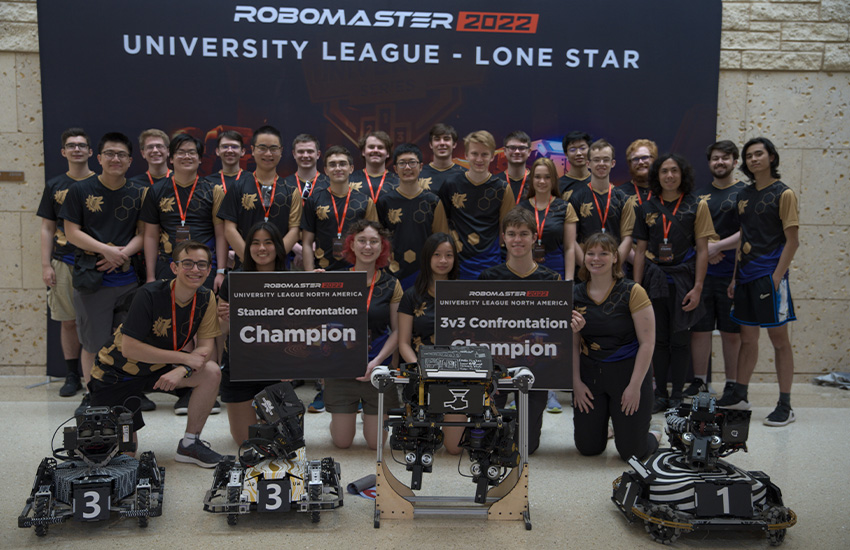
column 145, row 353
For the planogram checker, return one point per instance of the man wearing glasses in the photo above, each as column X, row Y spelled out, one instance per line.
column 147, row 353
column 154, row 148
column 640, row 153
column 57, row 254
column 411, row 213
column 576, row 147
column 517, row 151
column 102, row 220
column 260, row 196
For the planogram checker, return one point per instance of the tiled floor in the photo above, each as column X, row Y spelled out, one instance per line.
column 569, row 494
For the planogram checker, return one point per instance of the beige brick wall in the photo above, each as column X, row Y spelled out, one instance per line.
column 785, row 74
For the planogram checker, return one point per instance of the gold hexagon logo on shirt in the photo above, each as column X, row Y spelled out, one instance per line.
column 249, row 201
column 394, row 267
column 651, row 218
column 746, row 247
column 458, row 200
column 586, row 210
column 320, row 253
column 410, row 256
column 473, row 239
column 323, row 263
column 94, row 203
column 59, row 196
column 322, row 212
column 166, row 204
column 161, row 326
column 742, row 205
column 394, row 215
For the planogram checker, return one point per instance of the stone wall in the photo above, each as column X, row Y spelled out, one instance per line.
column 785, row 74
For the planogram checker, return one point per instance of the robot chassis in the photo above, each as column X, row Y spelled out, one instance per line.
column 455, row 380
column 272, row 473
column 88, row 479
column 689, row 487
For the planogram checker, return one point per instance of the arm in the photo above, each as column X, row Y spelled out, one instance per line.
column 291, row 238
column 223, row 312
column 237, row 243
column 173, row 379
column 569, row 251
column 625, row 248
column 644, row 321
column 307, row 238
column 582, row 396
column 730, row 291
column 151, row 247
column 113, row 256
column 405, row 334
column 692, row 298
column 140, row 351
column 640, row 258
column 792, row 243
column 389, row 346
column 729, row 243
column 220, row 254
column 48, row 228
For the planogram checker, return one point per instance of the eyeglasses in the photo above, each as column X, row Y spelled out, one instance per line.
column 186, row 154
column 517, row 148
column 407, row 163
column 109, row 155
column 72, row 146
column 638, row 160
column 155, row 147
column 230, row 147
column 340, row 164
column 582, row 149
column 189, row 265
column 274, row 149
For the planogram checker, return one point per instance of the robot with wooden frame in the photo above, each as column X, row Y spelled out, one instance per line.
column 455, row 380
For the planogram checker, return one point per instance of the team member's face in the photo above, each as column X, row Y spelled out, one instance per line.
column 442, row 146
column 115, row 159
column 186, row 158
column 77, row 150
column 367, row 246
column 267, row 151
column 338, row 168
column 599, row 261
column 306, row 154
column 601, row 162
column 407, row 166
column 577, row 153
column 154, row 151
column 262, row 250
column 479, row 157
column 639, row 163
column 442, row 261
column 230, row 151
column 197, row 272
column 542, row 181
column 757, row 159
column 519, row 240
column 721, row 164
column 375, row 152
column 517, row 151
column 670, row 175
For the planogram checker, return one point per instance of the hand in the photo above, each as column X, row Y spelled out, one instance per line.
column 223, row 310
column 714, row 249
column 115, row 255
column 169, row 380
column 219, row 278
column 48, row 276
column 195, row 360
column 577, row 322
column 318, row 270
column 105, row 265
column 582, row 397
column 367, row 377
column 691, row 300
column 730, row 290
column 630, row 400
column 714, row 259
column 777, row 280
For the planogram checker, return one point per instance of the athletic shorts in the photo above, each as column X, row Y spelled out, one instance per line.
column 343, row 396
column 127, row 393
column 60, row 297
column 718, row 306
column 758, row 303
column 237, row 392
column 97, row 318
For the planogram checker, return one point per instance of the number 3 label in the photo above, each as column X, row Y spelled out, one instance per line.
column 273, row 495
column 91, row 504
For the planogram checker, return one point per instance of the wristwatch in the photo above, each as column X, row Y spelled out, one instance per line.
column 220, row 271
column 188, row 371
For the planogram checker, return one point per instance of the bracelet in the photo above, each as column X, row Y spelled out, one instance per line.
column 188, row 371
column 220, row 271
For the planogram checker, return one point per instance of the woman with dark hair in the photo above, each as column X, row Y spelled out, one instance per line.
column 264, row 251
column 556, row 220
column 368, row 247
column 612, row 355
column 671, row 232
column 437, row 262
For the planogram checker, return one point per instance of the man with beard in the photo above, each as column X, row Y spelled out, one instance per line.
column 640, row 154
column 576, row 147
column 442, row 139
column 517, row 151
column 376, row 148
column 721, row 195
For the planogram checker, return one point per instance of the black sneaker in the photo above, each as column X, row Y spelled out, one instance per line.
column 660, row 405
column 198, row 453
column 181, row 408
column 733, row 401
column 782, row 415
column 697, row 386
column 146, row 404
column 728, row 390
column 71, row 386
column 674, row 402
column 84, row 404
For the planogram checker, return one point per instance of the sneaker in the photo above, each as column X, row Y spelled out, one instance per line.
column 697, row 386
column 318, row 404
column 71, row 386
column 610, row 429
column 733, row 401
column 84, row 404
column 728, row 390
column 511, row 405
column 552, row 404
column 674, row 402
column 181, row 408
column 147, row 405
column 782, row 415
column 660, row 405
column 216, row 408
column 198, row 453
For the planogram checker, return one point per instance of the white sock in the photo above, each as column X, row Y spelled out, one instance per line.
column 701, row 377
column 730, row 380
column 188, row 438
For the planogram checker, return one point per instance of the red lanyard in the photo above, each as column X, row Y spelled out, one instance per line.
column 380, row 185
column 607, row 206
column 312, row 187
column 371, row 288
column 266, row 209
column 537, row 218
column 664, row 223
column 637, row 192
column 174, row 319
column 177, row 198
column 339, row 223
column 224, row 184
column 150, row 178
column 521, row 187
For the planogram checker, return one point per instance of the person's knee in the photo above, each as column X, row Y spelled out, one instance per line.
column 589, row 447
column 779, row 338
column 210, row 373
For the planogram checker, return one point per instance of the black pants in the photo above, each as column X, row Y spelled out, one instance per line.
column 672, row 349
column 536, row 407
column 607, row 382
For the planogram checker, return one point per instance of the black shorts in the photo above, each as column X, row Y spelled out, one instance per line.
column 718, row 307
column 127, row 393
column 237, row 392
column 758, row 303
